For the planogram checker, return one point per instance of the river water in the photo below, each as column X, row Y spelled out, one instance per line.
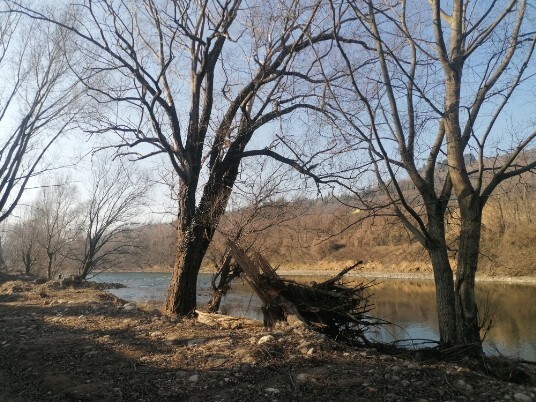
column 408, row 304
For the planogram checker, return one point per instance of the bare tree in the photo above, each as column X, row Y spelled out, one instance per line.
column 56, row 214
column 21, row 243
column 452, row 69
column 257, row 205
column 110, row 216
column 37, row 102
column 195, row 81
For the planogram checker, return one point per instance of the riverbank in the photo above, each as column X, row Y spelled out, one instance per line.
column 81, row 343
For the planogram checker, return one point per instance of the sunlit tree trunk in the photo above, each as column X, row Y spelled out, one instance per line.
column 468, row 251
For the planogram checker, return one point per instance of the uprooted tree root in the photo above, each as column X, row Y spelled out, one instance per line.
column 338, row 310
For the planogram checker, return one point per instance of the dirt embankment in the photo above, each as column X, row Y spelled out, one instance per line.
column 83, row 344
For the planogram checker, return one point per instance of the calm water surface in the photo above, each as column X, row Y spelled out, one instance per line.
column 408, row 304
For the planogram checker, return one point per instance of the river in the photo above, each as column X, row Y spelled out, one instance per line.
column 408, row 304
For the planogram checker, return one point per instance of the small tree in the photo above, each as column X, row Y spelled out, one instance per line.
column 56, row 214
column 256, row 207
column 110, row 216
column 21, row 243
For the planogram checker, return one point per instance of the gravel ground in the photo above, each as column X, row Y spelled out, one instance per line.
column 83, row 344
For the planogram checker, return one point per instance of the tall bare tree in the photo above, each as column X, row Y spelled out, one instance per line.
column 196, row 80
column 431, row 83
column 57, row 222
column 21, row 243
column 110, row 216
column 37, row 101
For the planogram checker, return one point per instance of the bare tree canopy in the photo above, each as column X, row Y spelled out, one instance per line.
column 110, row 215
column 433, row 86
column 37, row 101
column 195, row 81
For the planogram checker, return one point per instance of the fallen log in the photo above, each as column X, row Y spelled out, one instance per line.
column 338, row 310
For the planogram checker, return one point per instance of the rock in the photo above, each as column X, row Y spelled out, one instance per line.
column 265, row 339
column 218, row 362
column 301, row 377
column 310, row 352
column 155, row 334
column 385, row 357
column 129, row 307
column 421, row 400
column 244, row 368
column 461, row 384
column 193, row 378
column 272, row 390
column 395, row 369
column 520, row 397
column 413, row 366
column 196, row 341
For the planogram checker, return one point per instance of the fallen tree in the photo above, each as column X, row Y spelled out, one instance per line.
column 338, row 310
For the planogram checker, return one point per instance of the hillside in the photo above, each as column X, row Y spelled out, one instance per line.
column 324, row 235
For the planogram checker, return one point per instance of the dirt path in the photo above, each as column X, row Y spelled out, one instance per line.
column 82, row 344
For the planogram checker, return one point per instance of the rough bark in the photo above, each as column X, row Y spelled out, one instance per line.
column 468, row 251
column 444, row 282
column 194, row 234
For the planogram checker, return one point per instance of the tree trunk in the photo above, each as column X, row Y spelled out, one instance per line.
column 444, row 284
column 194, row 234
column 220, row 288
column 469, row 245
column 182, row 293
column 49, row 266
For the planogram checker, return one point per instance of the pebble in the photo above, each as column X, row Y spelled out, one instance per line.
column 155, row 334
column 272, row 390
column 461, row 384
column 413, row 366
column 265, row 339
column 520, row 397
column 129, row 307
column 196, row 341
column 193, row 378
column 301, row 377
column 310, row 352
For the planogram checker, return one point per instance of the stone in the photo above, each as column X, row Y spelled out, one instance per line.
column 413, row 366
column 461, row 384
column 265, row 339
column 244, row 368
column 310, row 352
column 129, row 307
column 193, row 378
column 301, row 377
column 196, row 341
column 520, row 397
column 272, row 390
column 154, row 334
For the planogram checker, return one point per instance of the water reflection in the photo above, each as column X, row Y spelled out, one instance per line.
column 409, row 304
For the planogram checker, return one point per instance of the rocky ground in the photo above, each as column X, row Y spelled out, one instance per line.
column 80, row 343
